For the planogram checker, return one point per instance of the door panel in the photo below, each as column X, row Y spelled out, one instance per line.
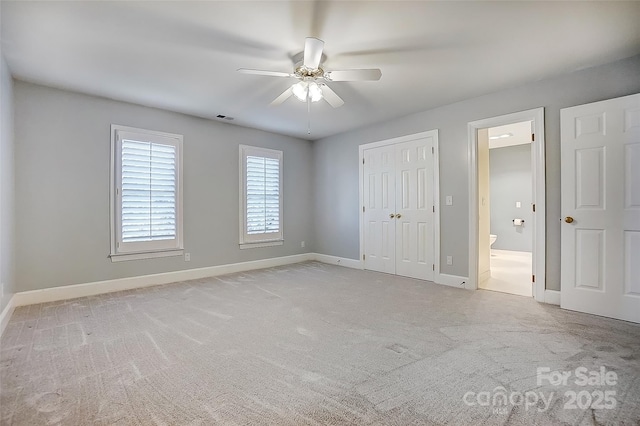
column 590, row 178
column 632, row 175
column 414, row 168
column 589, row 258
column 379, row 202
column 601, row 191
column 632, row 266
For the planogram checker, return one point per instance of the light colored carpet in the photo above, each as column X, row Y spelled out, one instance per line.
column 308, row 344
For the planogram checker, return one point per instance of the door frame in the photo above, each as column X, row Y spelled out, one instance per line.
column 539, row 190
column 436, row 190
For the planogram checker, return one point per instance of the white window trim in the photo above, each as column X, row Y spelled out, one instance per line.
column 176, row 248
column 247, row 242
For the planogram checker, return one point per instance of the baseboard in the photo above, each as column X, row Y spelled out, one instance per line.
column 75, row 291
column 100, row 287
column 5, row 316
column 340, row 261
column 552, row 297
column 451, row 280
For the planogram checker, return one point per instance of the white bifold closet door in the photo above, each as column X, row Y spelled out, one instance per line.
column 398, row 209
column 601, row 208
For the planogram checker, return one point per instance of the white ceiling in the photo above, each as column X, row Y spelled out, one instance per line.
column 183, row 56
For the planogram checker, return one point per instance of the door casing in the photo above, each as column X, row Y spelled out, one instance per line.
column 539, row 190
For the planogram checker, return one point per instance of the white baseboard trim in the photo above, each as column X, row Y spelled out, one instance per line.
column 552, row 297
column 75, row 291
column 5, row 316
column 451, row 280
column 100, row 287
column 340, row 261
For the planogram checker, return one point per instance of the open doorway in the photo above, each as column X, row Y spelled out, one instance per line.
column 505, row 217
column 507, row 210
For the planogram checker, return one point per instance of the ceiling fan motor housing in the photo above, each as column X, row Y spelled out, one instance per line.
column 303, row 72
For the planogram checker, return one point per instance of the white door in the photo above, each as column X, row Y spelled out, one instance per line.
column 414, row 209
column 601, row 208
column 398, row 209
column 379, row 209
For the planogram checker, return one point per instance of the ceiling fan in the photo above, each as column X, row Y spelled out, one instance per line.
column 312, row 85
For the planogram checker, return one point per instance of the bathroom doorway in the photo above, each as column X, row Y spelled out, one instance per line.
column 505, row 194
column 507, row 219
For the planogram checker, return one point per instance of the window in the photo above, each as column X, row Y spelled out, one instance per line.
column 146, row 194
column 260, row 197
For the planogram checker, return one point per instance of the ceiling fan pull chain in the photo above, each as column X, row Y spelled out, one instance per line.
column 308, row 114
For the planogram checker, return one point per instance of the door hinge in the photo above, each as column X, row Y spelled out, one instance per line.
column 363, row 257
column 433, row 266
column 433, row 151
column 434, row 209
column 363, row 161
column 533, row 137
column 533, row 278
column 362, row 209
column 534, row 207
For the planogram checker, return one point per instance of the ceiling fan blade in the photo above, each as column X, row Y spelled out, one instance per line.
column 283, row 97
column 331, row 97
column 261, row 72
column 312, row 52
column 354, row 75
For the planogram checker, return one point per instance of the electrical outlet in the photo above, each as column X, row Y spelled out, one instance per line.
column 449, row 200
column 449, row 260
column 187, row 257
column 302, row 244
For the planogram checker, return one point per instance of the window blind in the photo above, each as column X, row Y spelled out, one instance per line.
column 148, row 191
column 263, row 195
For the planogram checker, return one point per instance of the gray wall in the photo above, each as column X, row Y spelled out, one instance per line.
column 510, row 180
column 336, row 160
column 7, row 275
column 62, row 159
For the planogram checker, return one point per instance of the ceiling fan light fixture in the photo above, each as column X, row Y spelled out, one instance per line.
column 315, row 92
column 303, row 90
column 300, row 90
column 308, row 69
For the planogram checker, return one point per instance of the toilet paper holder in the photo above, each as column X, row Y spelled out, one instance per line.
column 518, row 222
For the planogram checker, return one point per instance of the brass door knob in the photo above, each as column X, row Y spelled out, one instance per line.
column 398, row 216
column 391, row 216
column 568, row 219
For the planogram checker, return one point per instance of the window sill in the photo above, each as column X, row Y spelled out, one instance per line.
column 260, row 244
column 122, row 257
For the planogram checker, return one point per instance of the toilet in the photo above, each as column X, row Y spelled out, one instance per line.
column 492, row 239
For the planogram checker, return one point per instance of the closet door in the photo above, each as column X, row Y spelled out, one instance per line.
column 414, row 209
column 398, row 225
column 379, row 209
